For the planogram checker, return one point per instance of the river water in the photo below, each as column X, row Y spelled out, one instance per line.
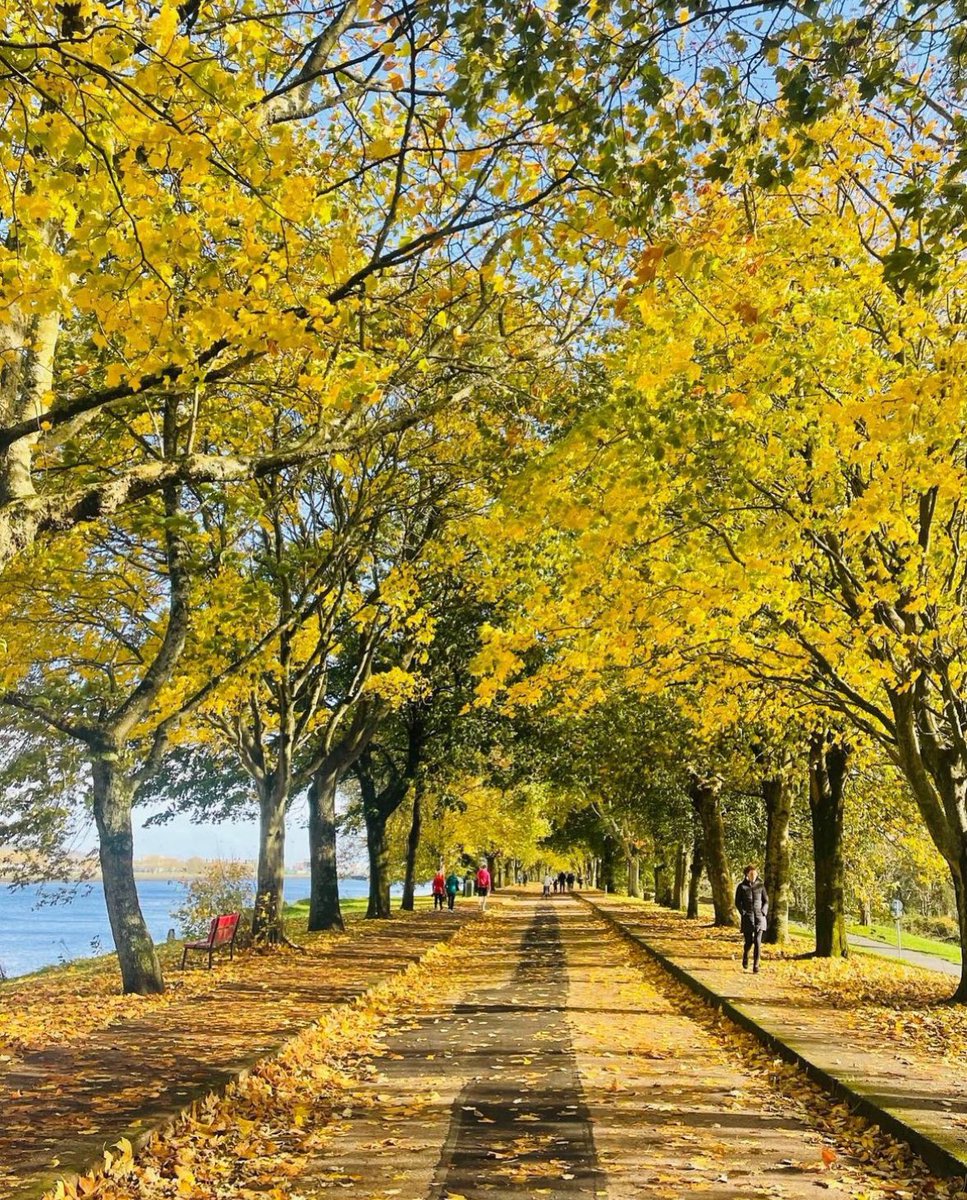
column 45, row 924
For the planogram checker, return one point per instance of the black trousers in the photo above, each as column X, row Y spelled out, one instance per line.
column 437, row 899
column 451, row 896
column 753, row 941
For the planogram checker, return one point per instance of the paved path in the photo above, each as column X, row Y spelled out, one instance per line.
column 860, row 1045
column 63, row 1103
column 913, row 958
column 542, row 1055
column 576, row 1068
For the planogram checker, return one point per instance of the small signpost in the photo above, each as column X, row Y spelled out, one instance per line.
column 896, row 908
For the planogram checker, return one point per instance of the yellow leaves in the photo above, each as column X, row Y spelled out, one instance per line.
column 395, row 686
column 382, row 147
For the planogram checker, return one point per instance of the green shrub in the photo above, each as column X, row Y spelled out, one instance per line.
column 944, row 929
column 223, row 887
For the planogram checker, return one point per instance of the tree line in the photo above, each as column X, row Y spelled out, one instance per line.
column 379, row 381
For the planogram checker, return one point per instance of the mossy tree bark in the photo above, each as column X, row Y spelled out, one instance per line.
column 777, row 796
column 828, row 766
column 705, row 796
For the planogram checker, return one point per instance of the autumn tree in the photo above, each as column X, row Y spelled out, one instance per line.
column 797, row 438
column 96, row 663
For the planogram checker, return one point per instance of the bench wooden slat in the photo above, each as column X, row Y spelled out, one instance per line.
column 221, row 933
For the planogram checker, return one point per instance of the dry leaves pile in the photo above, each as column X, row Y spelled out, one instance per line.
column 862, row 1161
column 252, row 1141
column 903, row 1006
column 65, row 1006
column 900, row 1006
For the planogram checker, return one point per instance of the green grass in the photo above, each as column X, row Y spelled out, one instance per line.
column 349, row 907
column 910, row 941
column 887, row 935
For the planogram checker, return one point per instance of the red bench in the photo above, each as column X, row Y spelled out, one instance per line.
column 221, row 934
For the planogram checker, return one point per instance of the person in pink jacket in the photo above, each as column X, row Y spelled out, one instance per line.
column 482, row 885
column 439, row 889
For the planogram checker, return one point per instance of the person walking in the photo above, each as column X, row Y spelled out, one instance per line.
column 482, row 885
column 753, row 905
column 439, row 888
column 570, row 881
column 548, row 881
column 561, row 880
column 452, row 886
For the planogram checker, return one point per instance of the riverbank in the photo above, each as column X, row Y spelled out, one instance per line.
column 82, row 1066
column 44, row 925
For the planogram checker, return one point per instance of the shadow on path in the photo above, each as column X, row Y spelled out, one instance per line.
column 522, row 1124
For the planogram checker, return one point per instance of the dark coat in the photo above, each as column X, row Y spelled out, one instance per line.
column 753, row 903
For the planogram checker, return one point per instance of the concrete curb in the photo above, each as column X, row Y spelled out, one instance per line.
column 140, row 1134
column 939, row 1158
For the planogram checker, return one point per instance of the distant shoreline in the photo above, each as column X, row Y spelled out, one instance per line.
column 161, row 877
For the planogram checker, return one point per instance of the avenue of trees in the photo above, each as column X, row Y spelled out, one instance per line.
column 543, row 425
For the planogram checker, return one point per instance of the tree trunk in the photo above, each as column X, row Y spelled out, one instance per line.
column 324, row 911
column 960, row 893
column 937, row 774
column 493, row 868
column 681, row 870
column 705, row 798
column 778, row 801
column 270, row 882
column 695, row 873
column 378, row 851
column 140, row 968
column 828, row 763
column 412, row 848
column 634, row 874
column 606, row 871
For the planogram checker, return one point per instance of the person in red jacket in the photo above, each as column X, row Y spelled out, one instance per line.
column 439, row 889
column 482, row 885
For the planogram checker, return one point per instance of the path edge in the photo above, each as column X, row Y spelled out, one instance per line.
column 215, row 1087
column 937, row 1157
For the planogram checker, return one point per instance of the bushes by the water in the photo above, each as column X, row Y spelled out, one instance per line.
column 224, row 887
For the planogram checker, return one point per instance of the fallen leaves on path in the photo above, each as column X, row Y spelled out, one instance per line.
column 838, row 1150
column 888, row 1002
column 250, row 1142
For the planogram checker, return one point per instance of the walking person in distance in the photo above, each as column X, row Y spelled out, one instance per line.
column 482, row 885
column 439, row 887
column 753, row 905
column 453, row 886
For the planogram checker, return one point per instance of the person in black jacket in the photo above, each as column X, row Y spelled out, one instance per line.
column 753, row 905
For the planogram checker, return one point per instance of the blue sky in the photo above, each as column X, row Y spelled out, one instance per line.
column 183, row 837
